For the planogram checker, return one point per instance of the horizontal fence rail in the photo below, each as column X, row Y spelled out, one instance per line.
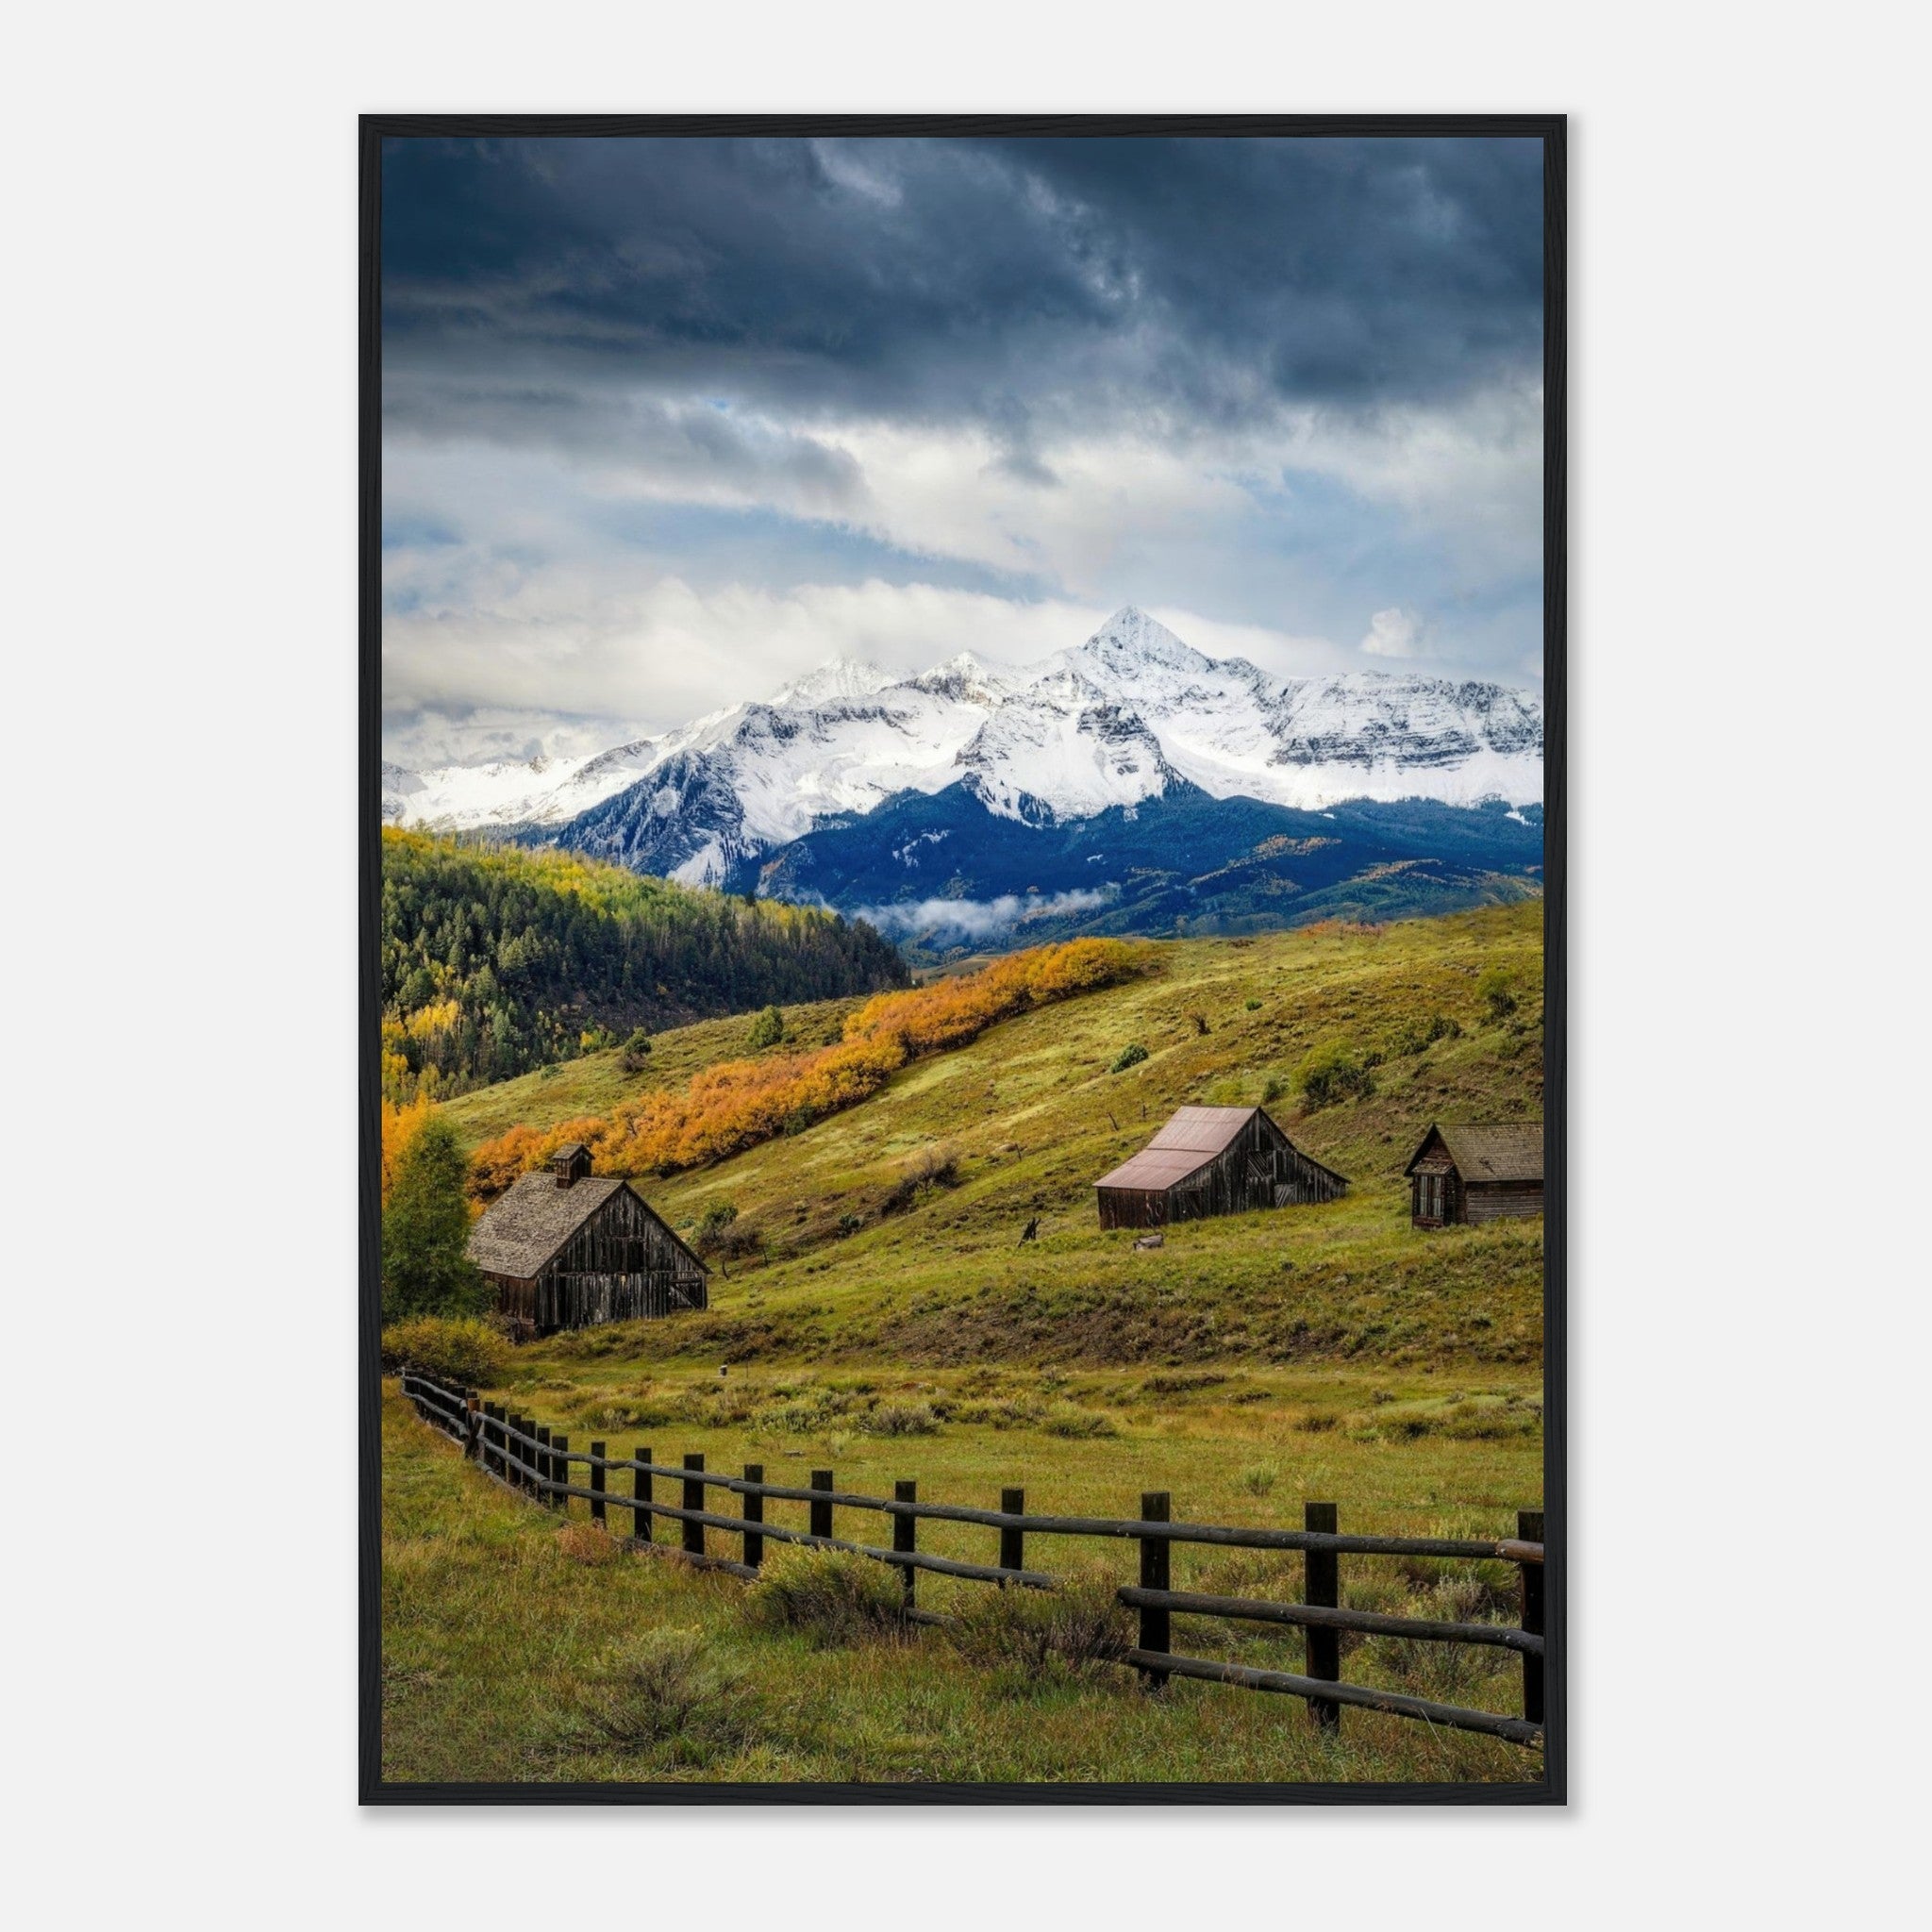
column 530, row 1458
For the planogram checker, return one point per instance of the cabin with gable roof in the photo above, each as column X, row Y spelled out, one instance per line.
column 565, row 1248
column 1474, row 1174
column 1213, row 1160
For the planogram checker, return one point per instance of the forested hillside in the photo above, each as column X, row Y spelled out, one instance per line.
column 498, row 961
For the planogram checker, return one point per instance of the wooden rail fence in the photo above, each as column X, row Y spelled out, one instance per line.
column 533, row 1461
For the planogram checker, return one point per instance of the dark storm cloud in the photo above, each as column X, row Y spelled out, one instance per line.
column 669, row 422
column 1028, row 287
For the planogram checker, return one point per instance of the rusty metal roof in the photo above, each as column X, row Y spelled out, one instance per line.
column 1509, row 1151
column 1155, row 1168
column 1203, row 1129
column 1185, row 1145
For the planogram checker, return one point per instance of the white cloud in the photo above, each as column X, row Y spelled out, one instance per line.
column 578, row 645
column 485, row 661
column 559, row 594
column 427, row 741
column 1395, row 633
column 1076, row 513
column 1471, row 474
column 977, row 918
column 956, row 495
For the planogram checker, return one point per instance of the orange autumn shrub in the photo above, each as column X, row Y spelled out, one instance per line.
column 739, row 1103
column 519, row 1150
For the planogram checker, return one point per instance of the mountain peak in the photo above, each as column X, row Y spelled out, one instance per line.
column 837, row 678
column 1125, row 716
column 1130, row 636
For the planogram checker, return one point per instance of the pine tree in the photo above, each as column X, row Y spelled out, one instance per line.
column 426, row 1229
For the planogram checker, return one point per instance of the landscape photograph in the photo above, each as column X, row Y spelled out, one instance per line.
column 958, row 918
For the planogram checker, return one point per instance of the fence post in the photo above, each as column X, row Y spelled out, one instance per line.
column 641, row 1496
column 597, row 1482
column 472, row 1429
column 905, row 1536
column 525, row 1453
column 1530, row 1526
column 821, row 1523
column 1013, row 1540
column 540, row 1456
column 559, row 1470
column 489, row 1436
column 1322, row 1586
column 754, row 1512
column 1156, row 1570
column 693, row 1499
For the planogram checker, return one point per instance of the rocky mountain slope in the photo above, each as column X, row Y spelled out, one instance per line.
column 1131, row 715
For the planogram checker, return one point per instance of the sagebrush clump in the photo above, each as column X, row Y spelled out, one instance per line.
column 468, row 1352
column 1331, row 1073
column 1078, row 1424
column 662, row 1694
column 829, row 1596
column 1037, row 1636
column 901, row 1419
column 932, row 1170
column 1496, row 989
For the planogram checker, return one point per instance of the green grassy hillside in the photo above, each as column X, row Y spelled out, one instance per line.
column 594, row 1083
column 885, row 1321
column 894, row 1231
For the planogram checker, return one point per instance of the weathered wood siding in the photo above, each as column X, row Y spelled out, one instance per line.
column 1435, row 1190
column 1439, row 1196
column 620, row 1266
column 1259, row 1168
column 1498, row 1200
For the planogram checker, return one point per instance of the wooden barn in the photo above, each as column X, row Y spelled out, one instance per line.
column 567, row 1249
column 1213, row 1160
column 1476, row 1174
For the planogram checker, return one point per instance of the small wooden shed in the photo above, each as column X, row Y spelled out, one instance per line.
column 567, row 1249
column 1469, row 1173
column 1213, row 1160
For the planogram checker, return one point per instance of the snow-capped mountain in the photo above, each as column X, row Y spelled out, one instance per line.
column 1131, row 714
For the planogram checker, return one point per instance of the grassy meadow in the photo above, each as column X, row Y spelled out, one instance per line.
column 878, row 1313
column 519, row 1649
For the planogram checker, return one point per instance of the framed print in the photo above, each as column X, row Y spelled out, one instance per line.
column 961, row 800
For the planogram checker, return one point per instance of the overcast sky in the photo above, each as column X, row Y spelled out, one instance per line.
column 669, row 422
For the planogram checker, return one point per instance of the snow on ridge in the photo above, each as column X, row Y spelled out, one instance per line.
column 1112, row 721
column 837, row 678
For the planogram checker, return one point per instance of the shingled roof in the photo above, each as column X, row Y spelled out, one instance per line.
column 523, row 1230
column 1509, row 1152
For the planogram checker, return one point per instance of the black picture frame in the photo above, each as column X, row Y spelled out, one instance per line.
column 376, row 129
